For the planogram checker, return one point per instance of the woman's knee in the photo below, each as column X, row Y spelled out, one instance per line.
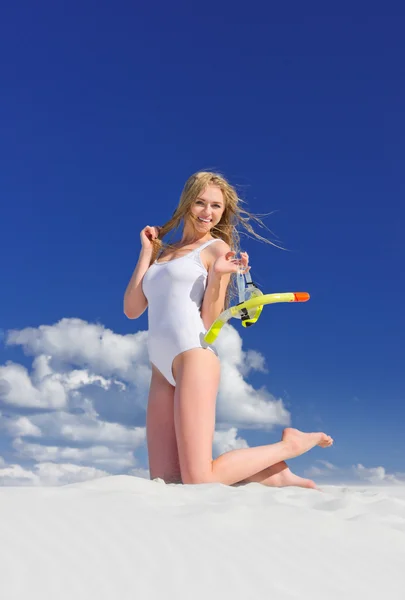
column 191, row 479
column 194, row 476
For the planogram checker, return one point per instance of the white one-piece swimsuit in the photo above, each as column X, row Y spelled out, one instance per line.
column 175, row 290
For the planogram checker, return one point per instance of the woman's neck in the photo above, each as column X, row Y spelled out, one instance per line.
column 191, row 236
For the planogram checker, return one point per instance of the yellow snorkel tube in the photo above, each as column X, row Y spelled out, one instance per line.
column 249, row 310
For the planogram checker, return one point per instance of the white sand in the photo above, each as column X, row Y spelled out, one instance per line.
column 129, row 538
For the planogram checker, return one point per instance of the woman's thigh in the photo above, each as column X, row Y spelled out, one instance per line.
column 197, row 374
column 161, row 435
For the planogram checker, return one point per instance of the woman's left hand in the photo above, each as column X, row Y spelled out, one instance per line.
column 227, row 263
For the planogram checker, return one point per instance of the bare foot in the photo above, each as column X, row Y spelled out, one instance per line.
column 279, row 475
column 284, row 477
column 301, row 442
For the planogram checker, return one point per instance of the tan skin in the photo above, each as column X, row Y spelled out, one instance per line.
column 181, row 418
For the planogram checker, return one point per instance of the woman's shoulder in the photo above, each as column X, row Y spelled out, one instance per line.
column 218, row 247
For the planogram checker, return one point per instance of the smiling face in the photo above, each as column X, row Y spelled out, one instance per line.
column 208, row 208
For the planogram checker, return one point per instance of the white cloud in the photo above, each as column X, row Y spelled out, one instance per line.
column 322, row 468
column 327, row 465
column 116, row 458
column 77, row 342
column 239, row 403
column 45, row 388
column 17, row 388
column 85, row 428
column 102, row 431
column 353, row 474
column 79, row 378
column 20, row 427
column 224, row 441
column 139, row 472
column 48, row 474
column 377, row 475
column 106, row 354
column 17, row 475
column 252, row 361
column 86, row 383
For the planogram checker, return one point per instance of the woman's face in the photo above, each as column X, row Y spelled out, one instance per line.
column 207, row 209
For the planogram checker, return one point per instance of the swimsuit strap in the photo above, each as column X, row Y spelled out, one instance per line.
column 207, row 244
column 189, row 254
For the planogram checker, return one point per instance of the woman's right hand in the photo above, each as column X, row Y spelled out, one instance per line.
column 148, row 234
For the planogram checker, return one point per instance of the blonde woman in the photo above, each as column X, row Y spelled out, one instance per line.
column 185, row 287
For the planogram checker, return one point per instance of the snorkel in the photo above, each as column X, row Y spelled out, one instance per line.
column 250, row 305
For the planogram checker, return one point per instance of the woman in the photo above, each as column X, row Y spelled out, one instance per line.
column 185, row 290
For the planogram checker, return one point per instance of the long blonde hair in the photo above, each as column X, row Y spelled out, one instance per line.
column 227, row 228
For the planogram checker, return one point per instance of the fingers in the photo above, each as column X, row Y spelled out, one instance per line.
column 229, row 263
column 244, row 256
column 244, row 262
column 151, row 232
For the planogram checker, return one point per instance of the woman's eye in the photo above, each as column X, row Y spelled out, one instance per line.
column 214, row 205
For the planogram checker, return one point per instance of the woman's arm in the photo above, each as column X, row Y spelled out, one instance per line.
column 222, row 265
column 214, row 297
column 135, row 302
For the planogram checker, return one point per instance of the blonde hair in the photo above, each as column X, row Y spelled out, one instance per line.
column 227, row 228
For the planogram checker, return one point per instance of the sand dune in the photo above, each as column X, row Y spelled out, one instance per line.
column 123, row 537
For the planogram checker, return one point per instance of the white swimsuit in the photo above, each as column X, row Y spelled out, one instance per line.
column 175, row 290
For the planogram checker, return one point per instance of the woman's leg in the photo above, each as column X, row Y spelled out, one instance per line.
column 197, row 373
column 160, row 433
column 279, row 475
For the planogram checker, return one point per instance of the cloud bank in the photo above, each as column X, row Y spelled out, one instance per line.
column 78, row 412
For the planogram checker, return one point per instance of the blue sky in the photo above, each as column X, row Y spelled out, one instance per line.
column 105, row 110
